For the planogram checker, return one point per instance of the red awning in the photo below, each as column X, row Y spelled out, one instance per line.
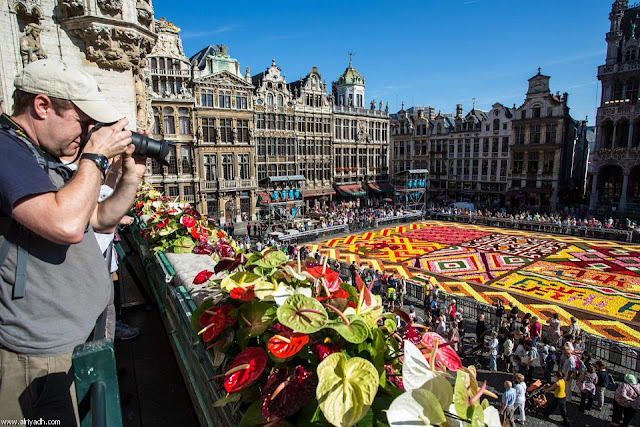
column 351, row 190
column 316, row 193
column 381, row 187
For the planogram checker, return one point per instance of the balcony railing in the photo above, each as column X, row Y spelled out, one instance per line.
column 237, row 184
column 177, row 73
column 360, row 111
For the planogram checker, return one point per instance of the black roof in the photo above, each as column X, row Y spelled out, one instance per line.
column 201, row 57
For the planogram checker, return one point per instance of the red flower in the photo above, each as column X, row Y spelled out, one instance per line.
column 243, row 294
column 202, row 277
column 225, row 309
column 286, row 344
column 245, row 369
column 445, row 355
column 194, row 233
column 214, row 326
column 287, row 391
column 187, row 221
column 323, row 350
column 163, row 223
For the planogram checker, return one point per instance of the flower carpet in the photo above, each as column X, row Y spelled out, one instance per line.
column 596, row 281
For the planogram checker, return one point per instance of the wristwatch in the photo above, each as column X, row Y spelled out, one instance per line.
column 101, row 161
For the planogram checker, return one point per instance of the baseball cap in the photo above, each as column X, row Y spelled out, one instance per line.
column 630, row 379
column 55, row 78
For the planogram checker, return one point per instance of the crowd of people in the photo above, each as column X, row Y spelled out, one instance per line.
column 568, row 218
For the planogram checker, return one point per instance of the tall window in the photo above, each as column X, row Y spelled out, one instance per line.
column 261, row 146
column 243, row 130
column 243, row 165
column 206, row 98
column 269, row 99
column 519, row 134
column 260, row 121
column 271, row 121
column 210, row 167
column 280, row 101
column 338, row 131
column 548, row 162
column 227, row 166
column 532, row 167
column 185, row 159
column 291, row 123
column 156, row 167
column 226, row 130
column 224, row 99
column 326, row 125
column 208, row 129
column 156, row 122
column 183, row 121
column 535, row 112
column 496, row 124
column 534, row 134
column 280, row 122
column 169, row 121
column 518, row 159
column 552, row 131
column 241, row 101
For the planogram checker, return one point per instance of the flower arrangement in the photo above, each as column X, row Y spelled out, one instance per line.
column 299, row 346
column 295, row 345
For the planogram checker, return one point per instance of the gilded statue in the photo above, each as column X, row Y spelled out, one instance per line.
column 30, row 48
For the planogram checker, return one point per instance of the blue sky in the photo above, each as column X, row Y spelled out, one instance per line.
column 432, row 52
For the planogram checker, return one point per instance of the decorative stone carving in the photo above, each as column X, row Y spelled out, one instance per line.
column 168, row 25
column 30, row 47
column 72, row 8
column 31, row 9
column 142, row 84
column 145, row 12
column 115, row 48
column 110, row 6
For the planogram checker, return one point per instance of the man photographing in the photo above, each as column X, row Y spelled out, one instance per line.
column 53, row 280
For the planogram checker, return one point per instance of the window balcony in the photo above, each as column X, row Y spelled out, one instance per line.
column 237, row 184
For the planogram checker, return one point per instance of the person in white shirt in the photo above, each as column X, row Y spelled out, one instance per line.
column 521, row 395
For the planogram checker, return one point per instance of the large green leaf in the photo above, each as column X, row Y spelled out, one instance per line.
column 356, row 332
column 346, row 388
column 302, row 314
column 461, row 395
column 240, row 278
column 268, row 258
column 416, row 408
column 255, row 317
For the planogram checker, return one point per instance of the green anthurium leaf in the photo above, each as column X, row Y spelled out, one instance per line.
column 391, row 325
column 268, row 258
column 356, row 332
column 302, row 314
column 415, row 408
column 441, row 389
column 228, row 398
column 485, row 404
column 380, row 406
column 252, row 417
column 264, row 290
column 477, row 419
column 311, row 416
column 346, row 388
column 254, row 318
column 183, row 244
column 461, row 395
column 240, row 278
column 378, row 349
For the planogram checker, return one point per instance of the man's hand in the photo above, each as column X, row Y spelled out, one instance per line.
column 110, row 140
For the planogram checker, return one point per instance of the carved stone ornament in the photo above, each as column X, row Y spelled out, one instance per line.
column 72, row 8
column 115, row 48
column 142, row 85
column 145, row 12
column 110, row 6
column 30, row 47
column 29, row 8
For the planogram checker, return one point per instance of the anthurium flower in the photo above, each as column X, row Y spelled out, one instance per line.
column 417, row 374
column 412, row 335
column 215, row 324
column 187, row 221
column 287, row 390
column 245, row 369
column 243, row 294
column 202, row 277
column 323, row 350
column 241, row 278
column 230, row 263
column 292, row 272
column 445, row 355
column 225, row 309
column 415, row 408
column 224, row 249
column 286, row 344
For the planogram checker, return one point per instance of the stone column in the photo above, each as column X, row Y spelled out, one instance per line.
column 622, row 207
column 254, row 196
column 615, row 136
column 237, row 206
column 221, row 211
column 630, row 139
column 593, row 200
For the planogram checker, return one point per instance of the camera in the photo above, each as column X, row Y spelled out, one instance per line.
column 149, row 147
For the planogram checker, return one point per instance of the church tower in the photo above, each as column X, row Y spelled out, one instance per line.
column 348, row 90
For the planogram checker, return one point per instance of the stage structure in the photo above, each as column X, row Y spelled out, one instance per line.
column 281, row 198
column 411, row 187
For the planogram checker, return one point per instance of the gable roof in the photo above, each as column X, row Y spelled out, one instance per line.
column 201, row 57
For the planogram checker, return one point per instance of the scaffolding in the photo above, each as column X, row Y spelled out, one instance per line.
column 281, row 199
column 411, row 189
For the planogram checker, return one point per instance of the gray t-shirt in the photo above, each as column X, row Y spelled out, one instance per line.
column 67, row 288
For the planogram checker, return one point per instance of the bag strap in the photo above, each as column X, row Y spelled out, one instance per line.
column 14, row 232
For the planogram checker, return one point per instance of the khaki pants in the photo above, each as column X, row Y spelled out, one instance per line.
column 37, row 387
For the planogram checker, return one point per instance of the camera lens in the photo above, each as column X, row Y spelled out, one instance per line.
column 149, row 147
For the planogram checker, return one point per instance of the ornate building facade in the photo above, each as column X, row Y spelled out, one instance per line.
column 615, row 183
column 107, row 38
column 360, row 142
column 225, row 149
column 543, row 163
column 172, row 106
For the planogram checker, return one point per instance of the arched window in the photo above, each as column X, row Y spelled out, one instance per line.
column 496, row 124
column 154, row 63
column 269, row 99
column 169, row 120
column 280, row 101
column 184, row 124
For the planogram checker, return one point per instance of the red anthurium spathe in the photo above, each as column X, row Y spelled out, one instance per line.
column 215, row 325
column 245, row 369
column 225, row 309
column 195, row 233
column 287, row 390
column 323, row 350
column 286, row 344
column 229, row 264
column 202, row 277
column 412, row 334
column 187, row 221
column 243, row 294
column 445, row 355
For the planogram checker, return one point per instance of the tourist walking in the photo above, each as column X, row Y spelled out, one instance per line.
column 554, row 332
column 499, row 313
column 508, row 404
column 602, row 384
column 559, row 398
column 521, row 395
column 587, row 385
column 625, row 401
